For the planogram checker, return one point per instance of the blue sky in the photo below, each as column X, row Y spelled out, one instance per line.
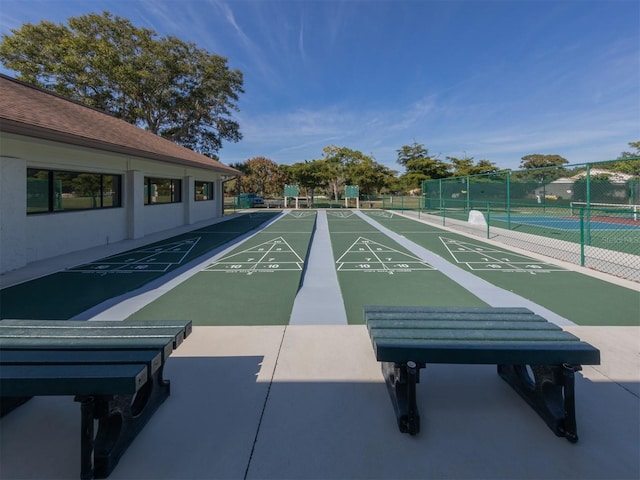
column 493, row 80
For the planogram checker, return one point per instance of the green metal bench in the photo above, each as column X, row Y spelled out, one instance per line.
column 536, row 357
column 114, row 369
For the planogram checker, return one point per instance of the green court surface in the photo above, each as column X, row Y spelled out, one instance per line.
column 254, row 284
column 65, row 294
column 583, row 299
column 374, row 270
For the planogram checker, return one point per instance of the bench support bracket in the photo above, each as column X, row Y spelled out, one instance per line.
column 549, row 390
column 401, row 380
column 120, row 419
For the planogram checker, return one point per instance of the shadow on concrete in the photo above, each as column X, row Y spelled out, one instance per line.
column 473, row 426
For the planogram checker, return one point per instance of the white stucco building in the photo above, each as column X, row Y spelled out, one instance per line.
column 73, row 177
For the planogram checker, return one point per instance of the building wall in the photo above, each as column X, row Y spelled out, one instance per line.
column 28, row 238
column 13, row 205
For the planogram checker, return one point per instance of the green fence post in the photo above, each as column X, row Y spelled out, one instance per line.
column 588, row 179
column 468, row 195
column 509, row 200
column 488, row 217
column 582, row 237
column 443, row 211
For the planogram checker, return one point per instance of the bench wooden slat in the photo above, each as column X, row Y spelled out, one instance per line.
column 108, row 344
column 468, row 335
column 439, row 315
column 28, row 380
column 390, row 310
column 177, row 330
column 79, row 332
column 149, row 324
column 489, row 352
column 463, row 324
column 152, row 358
column 440, row 308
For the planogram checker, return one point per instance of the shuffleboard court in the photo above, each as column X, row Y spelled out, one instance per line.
column 254, row 284
column 65, row 294
column 374, row 270
column 583, row 299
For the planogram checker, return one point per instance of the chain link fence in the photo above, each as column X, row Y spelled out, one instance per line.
column 587, row 214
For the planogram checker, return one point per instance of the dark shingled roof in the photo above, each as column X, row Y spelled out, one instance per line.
column 35, row 112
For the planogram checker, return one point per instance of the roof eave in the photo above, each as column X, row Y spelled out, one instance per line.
column 19, row 128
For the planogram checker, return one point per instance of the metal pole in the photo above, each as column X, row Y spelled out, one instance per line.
column 488, row 217
column 468, row 196
column 588, row 203
column 509, row 200
column 582, row 237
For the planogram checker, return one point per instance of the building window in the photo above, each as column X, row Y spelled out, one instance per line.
column 203, row 191
column 60, row 191
column 162, row 190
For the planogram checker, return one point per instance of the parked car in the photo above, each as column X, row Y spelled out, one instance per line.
column 250, row 200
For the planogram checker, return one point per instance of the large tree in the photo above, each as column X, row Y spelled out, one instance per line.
column 263, row 176
column 420, row 165
column 369, row 175
column 165, row 85
column 336, row 164
column 308, row 175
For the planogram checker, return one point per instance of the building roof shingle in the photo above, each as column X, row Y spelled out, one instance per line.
column 32, row 111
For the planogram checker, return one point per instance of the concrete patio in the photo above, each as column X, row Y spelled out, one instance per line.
column 310, row 402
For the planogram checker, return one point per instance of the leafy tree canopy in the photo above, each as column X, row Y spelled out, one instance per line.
column 170, row 87
column 465, row 166
column 408, row 153
column 419, row 164
column 262, row 176
column 537, row 160
column 309, row 175
column 632, row 165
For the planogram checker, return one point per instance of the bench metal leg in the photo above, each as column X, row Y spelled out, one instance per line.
column 550, row 390
column 120, row 418
column 401, row 380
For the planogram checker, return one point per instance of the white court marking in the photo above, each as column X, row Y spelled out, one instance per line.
column 275, row 255
column 301, row 213
column 340, row 214
column 158, row 258
column 365, row 255
column 482, row 257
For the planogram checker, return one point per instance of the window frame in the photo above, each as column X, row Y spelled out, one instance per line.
column 152, row 195
column 198, row 195
column 52, row 201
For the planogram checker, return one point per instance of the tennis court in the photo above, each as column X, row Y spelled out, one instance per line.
column 569, row 223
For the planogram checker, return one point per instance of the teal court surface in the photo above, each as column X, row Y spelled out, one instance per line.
column 268, row 387
column 379, row 258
